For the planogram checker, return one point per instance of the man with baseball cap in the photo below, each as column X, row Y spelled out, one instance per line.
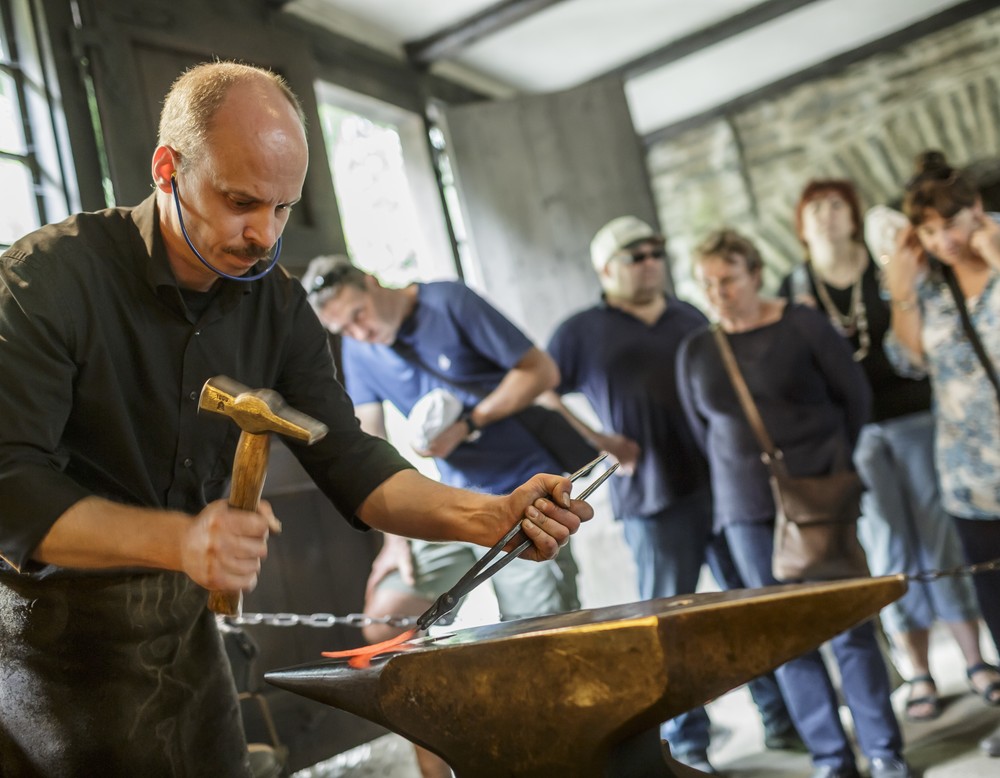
column 620, row 355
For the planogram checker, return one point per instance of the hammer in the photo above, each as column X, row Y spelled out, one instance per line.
column 258, row 412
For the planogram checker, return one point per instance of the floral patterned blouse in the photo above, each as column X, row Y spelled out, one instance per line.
column 966, row 409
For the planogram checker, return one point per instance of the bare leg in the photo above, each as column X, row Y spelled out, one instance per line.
column 967, row 636
column 431, row 765
column 387, row 602
column 915, row 644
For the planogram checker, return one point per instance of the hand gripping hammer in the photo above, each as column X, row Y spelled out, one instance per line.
column 258, row 412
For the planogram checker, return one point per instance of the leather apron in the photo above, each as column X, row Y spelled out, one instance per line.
column 119, row 675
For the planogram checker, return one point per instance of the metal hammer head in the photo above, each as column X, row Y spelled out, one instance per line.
column 258, row 410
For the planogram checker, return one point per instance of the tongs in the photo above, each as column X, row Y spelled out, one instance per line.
column 489, row 565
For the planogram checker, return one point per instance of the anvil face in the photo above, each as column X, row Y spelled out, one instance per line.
column 556, row 695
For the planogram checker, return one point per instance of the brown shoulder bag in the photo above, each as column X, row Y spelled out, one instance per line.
column 815, row 524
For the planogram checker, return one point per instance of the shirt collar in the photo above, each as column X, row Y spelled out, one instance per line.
column 146, row 217
column 149, row 241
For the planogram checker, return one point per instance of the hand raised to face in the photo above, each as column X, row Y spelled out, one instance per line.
column 904, row 266
column 985, row 239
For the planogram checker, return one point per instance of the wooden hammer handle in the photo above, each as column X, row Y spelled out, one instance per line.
column 249, row 471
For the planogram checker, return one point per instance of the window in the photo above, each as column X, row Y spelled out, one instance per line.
column 390, row 209
column 453, row 204
column 31, row 136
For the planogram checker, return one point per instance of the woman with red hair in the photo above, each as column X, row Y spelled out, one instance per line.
column 904, row 528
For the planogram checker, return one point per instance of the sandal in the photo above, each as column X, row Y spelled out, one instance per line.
column 991, row 692
column 932, row 701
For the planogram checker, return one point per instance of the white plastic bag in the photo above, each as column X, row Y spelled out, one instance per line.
column 431, row 415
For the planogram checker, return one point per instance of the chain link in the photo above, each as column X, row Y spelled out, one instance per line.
column 321, row 620
column 360, row 620
column 933, row 575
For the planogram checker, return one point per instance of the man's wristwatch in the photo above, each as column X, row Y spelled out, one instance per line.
column 474, row 430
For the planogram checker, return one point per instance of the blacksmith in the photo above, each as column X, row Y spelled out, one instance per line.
column 111, row 524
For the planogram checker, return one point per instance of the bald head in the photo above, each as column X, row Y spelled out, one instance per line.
column 195, row 104
column 232, row 159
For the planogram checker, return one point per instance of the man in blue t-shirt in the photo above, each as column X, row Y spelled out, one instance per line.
column 402, row 345
column 620, row 354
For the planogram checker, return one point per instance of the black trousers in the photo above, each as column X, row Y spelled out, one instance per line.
column 119, row 675
column 981, row 541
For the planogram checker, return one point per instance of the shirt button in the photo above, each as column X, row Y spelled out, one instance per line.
column 193, row 396
column 197, row 332
column 188, row 462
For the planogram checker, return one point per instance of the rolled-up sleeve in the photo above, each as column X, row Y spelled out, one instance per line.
column 36, row 387
column 903, row 361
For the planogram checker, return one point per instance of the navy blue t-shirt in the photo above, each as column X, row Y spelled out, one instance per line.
column 457, row 334
column 626, row 369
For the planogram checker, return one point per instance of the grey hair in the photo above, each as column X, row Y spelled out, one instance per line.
column 195, row 97
column 327, row 275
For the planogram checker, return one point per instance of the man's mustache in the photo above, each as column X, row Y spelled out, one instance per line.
column 251, row 252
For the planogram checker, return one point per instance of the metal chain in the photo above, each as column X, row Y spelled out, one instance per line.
column 360, row 620
column 933, row 575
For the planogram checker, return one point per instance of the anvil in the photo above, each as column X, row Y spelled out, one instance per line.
column 582, row 693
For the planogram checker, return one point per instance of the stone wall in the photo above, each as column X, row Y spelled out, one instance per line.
column 866, row 123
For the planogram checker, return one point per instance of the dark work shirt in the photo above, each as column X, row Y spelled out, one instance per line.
column 626, row 370
column 811, row 395
column 103, row 364
column 893, row 395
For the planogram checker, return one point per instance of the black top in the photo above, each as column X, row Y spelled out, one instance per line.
column 103, row 364
column 810, row 393
column 626, row 370
column 893, row 394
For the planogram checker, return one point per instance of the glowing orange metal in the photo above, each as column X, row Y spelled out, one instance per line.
column 362, row 657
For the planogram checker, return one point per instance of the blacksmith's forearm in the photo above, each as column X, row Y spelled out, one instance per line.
column 96, row 533
column 414, row 506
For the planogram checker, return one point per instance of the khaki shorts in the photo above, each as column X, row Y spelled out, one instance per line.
column 522, row 588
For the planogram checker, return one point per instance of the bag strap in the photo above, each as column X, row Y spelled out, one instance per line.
column 770, row 452
column 970, row 330
column 409, row 354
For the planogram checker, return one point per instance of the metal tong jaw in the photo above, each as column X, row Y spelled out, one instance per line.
column 489, row 565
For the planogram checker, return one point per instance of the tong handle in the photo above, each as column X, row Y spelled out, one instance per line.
column 497, row 566
column 486, row 567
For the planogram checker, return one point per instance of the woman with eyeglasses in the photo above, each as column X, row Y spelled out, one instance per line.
column 903, row 528
column 813, row 399
column 943, row 279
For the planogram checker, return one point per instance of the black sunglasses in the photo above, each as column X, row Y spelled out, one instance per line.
column 640, row 256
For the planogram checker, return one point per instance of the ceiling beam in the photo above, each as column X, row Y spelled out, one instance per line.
column 447, row 42
column 939, row 21
column 707, row 36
